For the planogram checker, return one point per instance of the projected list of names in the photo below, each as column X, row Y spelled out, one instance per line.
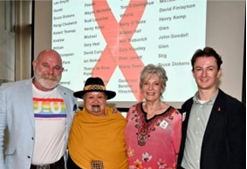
column 114, row 40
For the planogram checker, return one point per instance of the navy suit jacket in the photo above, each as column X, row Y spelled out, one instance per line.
column 224, row 141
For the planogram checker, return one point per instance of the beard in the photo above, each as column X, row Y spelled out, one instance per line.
column 46, row 80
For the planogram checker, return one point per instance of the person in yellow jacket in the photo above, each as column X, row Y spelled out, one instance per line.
column 96, row 138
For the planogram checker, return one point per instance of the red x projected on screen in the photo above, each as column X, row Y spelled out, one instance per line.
column 119, row 51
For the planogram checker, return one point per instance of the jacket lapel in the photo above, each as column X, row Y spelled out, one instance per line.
column 216, row 114
column 27, row 95
column 186, row 109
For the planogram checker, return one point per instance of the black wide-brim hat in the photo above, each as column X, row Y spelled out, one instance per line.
column 95, row 84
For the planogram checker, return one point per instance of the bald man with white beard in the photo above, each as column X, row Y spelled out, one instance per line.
column 38, row 114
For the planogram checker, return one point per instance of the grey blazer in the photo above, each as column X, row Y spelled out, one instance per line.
column 17, row 115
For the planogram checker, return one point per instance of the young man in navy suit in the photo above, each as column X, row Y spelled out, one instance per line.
column 214, row 123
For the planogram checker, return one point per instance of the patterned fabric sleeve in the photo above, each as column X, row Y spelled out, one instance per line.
column 177, row 131
column 129, row 112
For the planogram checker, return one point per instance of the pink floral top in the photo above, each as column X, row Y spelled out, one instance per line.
column 153, row 143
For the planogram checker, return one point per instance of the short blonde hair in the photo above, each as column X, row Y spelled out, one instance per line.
column 153, row 69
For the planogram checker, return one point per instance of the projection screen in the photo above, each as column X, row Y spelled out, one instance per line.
column 116, row 39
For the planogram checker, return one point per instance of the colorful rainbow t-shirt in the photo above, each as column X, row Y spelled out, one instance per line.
column 50, row 124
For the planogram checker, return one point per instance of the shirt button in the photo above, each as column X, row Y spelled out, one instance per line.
column 28, row 156
column 32, row 138
column 198, row 118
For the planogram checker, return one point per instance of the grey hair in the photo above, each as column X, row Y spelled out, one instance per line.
column 153, row 69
